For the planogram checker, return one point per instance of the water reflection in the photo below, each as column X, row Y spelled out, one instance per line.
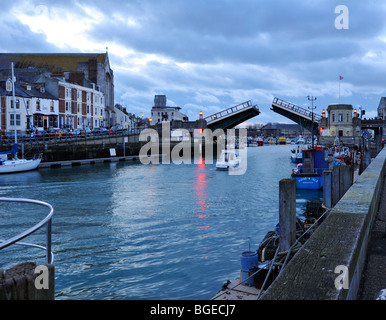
column 200, row 195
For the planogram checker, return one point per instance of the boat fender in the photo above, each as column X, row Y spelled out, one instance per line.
column 263, row 255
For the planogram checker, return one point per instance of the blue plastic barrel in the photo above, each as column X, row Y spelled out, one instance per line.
column 249, row 261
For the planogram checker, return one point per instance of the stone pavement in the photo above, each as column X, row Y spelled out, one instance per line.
column 374, row 273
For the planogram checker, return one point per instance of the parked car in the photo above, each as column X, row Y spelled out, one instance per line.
column 36, row 133
column 66, row 133
column 117, row 129
column 52, row 133
column 11, row 135
column 60, row 133
column 100, row 131
column 82, row 132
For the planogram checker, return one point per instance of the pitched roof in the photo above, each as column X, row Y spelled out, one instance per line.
column 53, row 62
column 23, row 92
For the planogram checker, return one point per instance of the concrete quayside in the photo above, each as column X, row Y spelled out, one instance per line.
column 338, row 261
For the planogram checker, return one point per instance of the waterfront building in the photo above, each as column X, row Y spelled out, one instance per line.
column 122, row 117
column 382, row 109
column 94, row 66
column 81, row 103
column 341, row 122
column 161, row 112
column 56, row 100
column 33, row 106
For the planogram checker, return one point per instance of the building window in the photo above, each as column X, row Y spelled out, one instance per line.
column 333, row 117
column 38, row 121
column 38, row 105
column 11, row 119
column 27, row 104
column 340, row 117
column 52, row 106
column 67, row 106
column 17, row 104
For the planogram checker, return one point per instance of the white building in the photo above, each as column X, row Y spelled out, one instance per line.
column 33, row 107
column 81, row 103
column 160, row 112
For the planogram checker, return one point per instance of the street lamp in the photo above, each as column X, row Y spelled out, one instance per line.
column 312, row 99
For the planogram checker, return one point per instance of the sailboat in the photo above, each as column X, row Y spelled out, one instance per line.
column 9, row 162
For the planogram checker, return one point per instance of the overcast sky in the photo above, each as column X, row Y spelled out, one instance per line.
column 212, row 54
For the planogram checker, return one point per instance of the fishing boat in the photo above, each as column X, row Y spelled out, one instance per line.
column 341, row 154
column 260, row 141
column 309, row 174
column 271, row 140
column 282, row 140
column 300, row 140
column 297, row 154
column 9, row 162
column 227, row 160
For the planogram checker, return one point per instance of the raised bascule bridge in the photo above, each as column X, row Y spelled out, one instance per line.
column 302, row 116
column 233, row 116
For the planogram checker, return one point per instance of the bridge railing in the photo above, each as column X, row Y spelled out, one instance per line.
column 229, row 111
column 294, row 107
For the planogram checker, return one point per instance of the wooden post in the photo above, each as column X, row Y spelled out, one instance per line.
column 335, row 186
column 28, row 281
column 287, row 213
column 346, row 179
column 327, row 188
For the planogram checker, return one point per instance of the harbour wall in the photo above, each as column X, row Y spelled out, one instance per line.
column 85, row 150
column 330, row 264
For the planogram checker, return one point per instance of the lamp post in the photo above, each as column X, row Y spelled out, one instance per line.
column 312, row 99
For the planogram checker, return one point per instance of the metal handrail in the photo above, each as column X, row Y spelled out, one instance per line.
column 46, row 221
column 228, row 111
column 296, row 108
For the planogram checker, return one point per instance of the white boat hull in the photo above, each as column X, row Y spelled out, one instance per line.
column 19, row 165
column 226, row 165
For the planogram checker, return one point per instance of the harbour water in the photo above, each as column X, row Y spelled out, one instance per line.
column 131, row 231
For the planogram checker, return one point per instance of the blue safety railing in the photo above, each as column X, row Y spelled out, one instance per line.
column 47, row 221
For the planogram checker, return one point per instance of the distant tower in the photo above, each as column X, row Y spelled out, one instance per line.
column 160, row 101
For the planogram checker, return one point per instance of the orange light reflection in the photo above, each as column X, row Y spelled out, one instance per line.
column 200, row 193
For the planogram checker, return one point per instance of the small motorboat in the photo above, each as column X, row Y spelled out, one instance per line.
column 227, row 160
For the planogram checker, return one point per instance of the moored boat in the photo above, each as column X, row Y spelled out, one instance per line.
column 227, row 160
column 271, row 140
column 9, row 162
column 309, row 175
column 297, row 155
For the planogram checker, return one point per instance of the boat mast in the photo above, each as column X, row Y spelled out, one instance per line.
column 14, row 102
